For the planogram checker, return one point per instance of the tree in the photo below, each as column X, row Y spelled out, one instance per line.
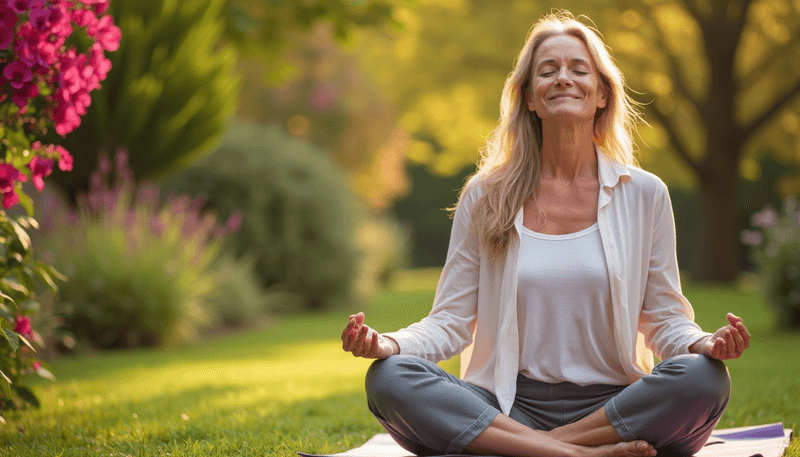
column 721, row 74
column 719, row 80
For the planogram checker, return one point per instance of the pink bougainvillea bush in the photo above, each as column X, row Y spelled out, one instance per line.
column 45, row 83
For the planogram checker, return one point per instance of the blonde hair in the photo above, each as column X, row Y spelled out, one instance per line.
column 510, row 164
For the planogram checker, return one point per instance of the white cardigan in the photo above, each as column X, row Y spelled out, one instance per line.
column 475, row 310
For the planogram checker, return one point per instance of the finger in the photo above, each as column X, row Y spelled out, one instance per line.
column 360, row 318
column 730, row 344
column 360, row 337
column 373, row 346
column 738, row 339
column 733, row 319
column 745, row 334
column 347, row 328
column 716, row 350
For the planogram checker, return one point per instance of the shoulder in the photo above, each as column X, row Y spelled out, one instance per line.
column 472, row 191
column 645, row 184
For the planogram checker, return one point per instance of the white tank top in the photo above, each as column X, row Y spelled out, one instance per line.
column 564, row 310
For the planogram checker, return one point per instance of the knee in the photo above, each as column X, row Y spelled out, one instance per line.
column 385, row 378
column 704, row 379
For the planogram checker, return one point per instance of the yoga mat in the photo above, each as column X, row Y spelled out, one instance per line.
column 770, row 440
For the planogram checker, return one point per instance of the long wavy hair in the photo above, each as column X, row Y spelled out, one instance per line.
column 510, row 166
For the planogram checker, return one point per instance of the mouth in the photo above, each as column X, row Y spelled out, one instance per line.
column 554, row 97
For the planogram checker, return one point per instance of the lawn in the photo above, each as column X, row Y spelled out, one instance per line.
column 290, row 387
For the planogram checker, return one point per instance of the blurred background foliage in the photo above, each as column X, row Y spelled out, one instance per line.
column 340, row 129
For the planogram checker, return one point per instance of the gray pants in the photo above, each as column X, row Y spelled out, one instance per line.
column 429, row 411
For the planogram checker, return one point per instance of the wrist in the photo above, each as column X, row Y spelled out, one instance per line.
column 395, row 347
column 698, row 346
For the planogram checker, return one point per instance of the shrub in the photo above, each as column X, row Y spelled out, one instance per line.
column 237, row 297
column 299, row 214
column 775, row 250
column 173, row 86
column 140, row 272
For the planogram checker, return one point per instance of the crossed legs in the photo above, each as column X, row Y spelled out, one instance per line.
column 428, row 411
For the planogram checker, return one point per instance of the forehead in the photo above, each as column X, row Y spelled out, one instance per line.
column 562, row 48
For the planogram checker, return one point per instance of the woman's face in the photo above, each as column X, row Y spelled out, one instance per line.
column 564, row 82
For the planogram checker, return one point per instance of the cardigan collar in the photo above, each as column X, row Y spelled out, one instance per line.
column 609, row 173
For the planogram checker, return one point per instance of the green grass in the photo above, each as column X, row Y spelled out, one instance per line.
column 291, row 387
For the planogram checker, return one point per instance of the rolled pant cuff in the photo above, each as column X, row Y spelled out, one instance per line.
column 480, row 424
column 617, row 422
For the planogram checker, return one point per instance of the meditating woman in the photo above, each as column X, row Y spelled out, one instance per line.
column 561, row 281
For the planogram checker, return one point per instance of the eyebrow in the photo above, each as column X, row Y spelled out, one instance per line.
column 575, row 60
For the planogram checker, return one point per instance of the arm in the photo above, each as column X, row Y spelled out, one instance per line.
column 448, row 328
column 667, row 317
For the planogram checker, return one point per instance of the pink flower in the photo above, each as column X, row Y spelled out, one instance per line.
column 234, row 222
column 65, row 160
column 20, row 6
column 66, row 118
column 36, row 365
column 10, row 199
column 39, row 17
column 18, row 73
column 23, row 325
column 98, row 61
column 20, row 100
column 106, row 33
column 8, row 17
column 84, row 18
column 101, row 6
column 21, row 95
column 765, row 218
column 752, row 237
column 8, row 175
column 6, row 37
column 41, row 168
column 70, row 80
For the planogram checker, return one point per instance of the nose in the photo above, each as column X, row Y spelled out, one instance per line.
column 563, row 77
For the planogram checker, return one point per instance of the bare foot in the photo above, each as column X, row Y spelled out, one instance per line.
column 624, row 449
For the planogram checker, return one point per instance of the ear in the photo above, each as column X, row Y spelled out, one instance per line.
column 602, row 98
column 529, row 100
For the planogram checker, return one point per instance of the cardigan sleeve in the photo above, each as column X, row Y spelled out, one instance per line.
column 667, row 317
column 448, row 329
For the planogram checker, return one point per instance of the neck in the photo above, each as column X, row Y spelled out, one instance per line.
column 568, row 151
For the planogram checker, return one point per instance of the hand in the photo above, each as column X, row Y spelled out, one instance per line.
column 365, row 342
column 728, row 342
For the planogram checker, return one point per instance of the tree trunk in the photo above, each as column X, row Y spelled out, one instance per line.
column 716, row 257
column 717, row 254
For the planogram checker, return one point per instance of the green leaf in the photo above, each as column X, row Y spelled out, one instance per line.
column 8, row 299
column 25, row 277
column 5, row 384
column 45, row 277
column 50, row 270
column 26, row 201
column 22, row 235
column 5, row 341
column 45, row 373
column 29, row 307
column 27, row 394
column 7, row 313
column 13, row 338
column 12, row 285
column 25, row 341
column 32, row 222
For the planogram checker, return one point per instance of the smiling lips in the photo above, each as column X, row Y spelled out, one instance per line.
column 563, row 96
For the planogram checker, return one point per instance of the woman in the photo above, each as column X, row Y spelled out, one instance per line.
column 560, row 282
